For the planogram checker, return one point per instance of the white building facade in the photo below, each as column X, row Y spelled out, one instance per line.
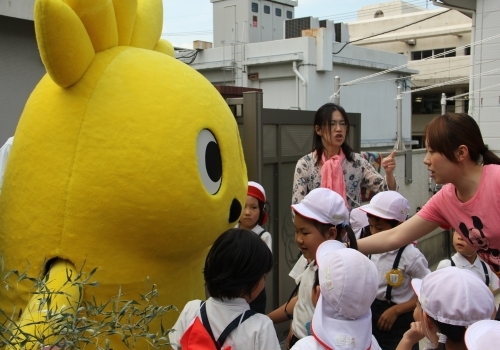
column 297, row 72
column 422, row 33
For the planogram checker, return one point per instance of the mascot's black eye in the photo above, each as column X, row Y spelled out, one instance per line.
column 209, row 161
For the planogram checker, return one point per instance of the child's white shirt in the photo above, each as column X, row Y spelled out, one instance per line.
column 266, row 236
column 413, row 265
column 310, row 343
column 303, row 273
column 462, row 263
column 255, row 333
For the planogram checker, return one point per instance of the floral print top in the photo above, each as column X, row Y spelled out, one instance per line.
column 357, row 174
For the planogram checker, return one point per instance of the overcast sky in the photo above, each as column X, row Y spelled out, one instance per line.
column 188, row 20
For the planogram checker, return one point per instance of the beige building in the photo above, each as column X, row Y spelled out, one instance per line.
column 430, row 36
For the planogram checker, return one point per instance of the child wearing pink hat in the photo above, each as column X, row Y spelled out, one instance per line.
column 252, row 218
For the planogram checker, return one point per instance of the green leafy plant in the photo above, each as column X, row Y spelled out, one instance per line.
column 84, row 322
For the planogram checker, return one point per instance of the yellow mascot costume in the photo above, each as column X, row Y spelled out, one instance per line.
column 124, row 159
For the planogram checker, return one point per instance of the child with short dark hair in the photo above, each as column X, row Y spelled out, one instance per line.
column 392, row 310
column 321, row 216
column 466, row 258
column 235, row 270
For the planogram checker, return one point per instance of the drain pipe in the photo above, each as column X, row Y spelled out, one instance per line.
column 299, row 76
column 472, row 47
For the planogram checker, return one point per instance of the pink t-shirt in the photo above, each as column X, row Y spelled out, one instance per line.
column 477, row 220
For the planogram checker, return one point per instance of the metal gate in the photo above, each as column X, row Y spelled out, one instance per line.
column 273, row 141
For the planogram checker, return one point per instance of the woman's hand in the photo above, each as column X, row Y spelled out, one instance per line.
column 389, row 163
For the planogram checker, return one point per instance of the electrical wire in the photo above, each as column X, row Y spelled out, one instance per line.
column 199, row 32
column 423, row 75
column 391, row 30
column 425, row 59
column 471, row 92
column 449, row 82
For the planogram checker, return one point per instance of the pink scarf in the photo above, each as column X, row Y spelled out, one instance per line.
column 332, row 175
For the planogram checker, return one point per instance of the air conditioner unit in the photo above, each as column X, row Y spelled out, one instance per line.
column 294, row 27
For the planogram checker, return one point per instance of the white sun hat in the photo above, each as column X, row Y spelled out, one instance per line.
column 483, row 335
column 348, row 283
column 323, row 205
column 389, row 205
column 454, row 296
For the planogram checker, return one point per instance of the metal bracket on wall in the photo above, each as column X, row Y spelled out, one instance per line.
column 408, row 166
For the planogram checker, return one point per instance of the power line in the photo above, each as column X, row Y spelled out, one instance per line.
column 452, row 81
column 198, row 32
column 424, row 75
column 391, row 30
column 425, row 59
column 471, row 92
column 199, row 14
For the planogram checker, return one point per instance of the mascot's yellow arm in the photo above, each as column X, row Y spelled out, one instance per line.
column 57, row 295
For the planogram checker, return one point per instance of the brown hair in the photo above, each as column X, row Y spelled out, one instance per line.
column 444, row 134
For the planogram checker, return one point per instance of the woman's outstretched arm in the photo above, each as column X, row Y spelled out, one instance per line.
column 399, row 236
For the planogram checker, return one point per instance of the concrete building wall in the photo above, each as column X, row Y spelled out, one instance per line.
column 22, row 9
column 386, row 9
column 270, row 68
column 486, row 103
column 20, row 71
column 248, row 21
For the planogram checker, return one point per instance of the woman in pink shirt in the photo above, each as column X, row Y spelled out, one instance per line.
column 469, row 203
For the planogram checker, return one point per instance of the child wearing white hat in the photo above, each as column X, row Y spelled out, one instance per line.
column 392, row 310
column 483, row 335
column 321, row 216
column 359, row 223
column 449, row 300
column 348, row 283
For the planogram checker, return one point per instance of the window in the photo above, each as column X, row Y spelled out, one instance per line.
column 255, row 7
column 278, row 12
column 450, row 54
column 426, row 54
column 267, row 9
column 438, row 51
column 467, row 51
column 420, row 55
column 378, row 14
column 289, row 14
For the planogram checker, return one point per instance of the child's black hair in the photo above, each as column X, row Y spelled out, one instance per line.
column 262, row 211
column 235, row 264
column 392, row 222
column 316, row 279
column 454, row 334
column 323, row 228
